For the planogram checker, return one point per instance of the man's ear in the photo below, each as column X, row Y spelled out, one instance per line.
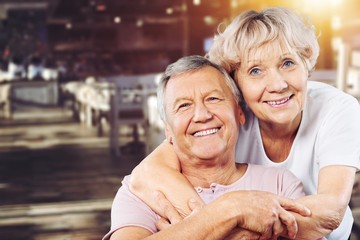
column 240, row 116
column 168, row 134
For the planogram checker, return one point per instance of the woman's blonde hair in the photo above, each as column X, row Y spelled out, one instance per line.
column 251, row 30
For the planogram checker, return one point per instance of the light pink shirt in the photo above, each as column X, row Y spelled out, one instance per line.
column 129, row 210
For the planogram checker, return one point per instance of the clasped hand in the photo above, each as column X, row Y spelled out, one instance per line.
column 254, row 214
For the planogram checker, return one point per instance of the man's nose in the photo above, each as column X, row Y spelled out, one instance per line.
column 201, row 113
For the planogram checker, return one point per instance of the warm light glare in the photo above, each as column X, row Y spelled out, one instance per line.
column 336, row 3
column 117, row 19
column 336, row 22
column 139, row 23
column 318, row 7
column 234, row 3
column 68, row 26
column 209, row 20
column 311, row 5
column 169, row 11
column 101, row 8
column 196, row 2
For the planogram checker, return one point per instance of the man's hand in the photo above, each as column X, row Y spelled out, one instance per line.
column 264, row 215
column 242, row 234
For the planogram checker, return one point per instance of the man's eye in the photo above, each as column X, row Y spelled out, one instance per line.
column 213, row 99
column 183, row 105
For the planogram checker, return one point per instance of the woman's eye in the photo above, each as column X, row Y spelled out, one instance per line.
column 288, row 63
column 255, row 71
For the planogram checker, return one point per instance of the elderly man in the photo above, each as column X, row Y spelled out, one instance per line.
column 200, row 106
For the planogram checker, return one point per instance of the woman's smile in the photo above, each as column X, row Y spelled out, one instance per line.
column 279, row 102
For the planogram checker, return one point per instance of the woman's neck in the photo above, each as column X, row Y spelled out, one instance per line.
column 278, row 138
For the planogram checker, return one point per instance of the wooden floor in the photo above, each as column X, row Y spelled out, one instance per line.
column 58, row 179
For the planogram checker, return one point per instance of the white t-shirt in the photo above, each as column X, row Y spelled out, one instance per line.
column 329, row 134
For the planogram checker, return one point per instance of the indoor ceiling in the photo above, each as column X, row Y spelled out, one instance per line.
column 76, row 10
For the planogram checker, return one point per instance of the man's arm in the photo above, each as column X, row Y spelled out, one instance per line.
column 196, row 227
column 260, row 212
column 329, row 204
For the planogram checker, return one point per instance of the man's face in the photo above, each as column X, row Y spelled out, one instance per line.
column 202, row 115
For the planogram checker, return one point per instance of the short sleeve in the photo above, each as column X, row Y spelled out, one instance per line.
column 292, row 186
column 129, row 210
column 338, row 139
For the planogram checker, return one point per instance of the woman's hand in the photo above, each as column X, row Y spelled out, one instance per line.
column 261, row 212
column 160, row 171
column 171, row 216
column 264, row 215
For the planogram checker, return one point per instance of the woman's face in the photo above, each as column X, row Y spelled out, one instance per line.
column 274, row 84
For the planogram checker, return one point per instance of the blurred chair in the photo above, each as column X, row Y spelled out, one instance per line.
column 353, row 81
column 325, row 76
column 127, row 106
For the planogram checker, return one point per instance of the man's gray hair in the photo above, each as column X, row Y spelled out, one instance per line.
column 191, row 64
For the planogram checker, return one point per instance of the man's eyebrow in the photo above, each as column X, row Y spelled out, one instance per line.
column 186, row 98
column 178, row 100
column 217, row 91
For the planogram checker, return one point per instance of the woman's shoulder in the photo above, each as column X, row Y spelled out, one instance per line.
column 323, row 91
column 323, row 98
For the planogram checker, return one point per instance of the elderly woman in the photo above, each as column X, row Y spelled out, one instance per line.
column 307, row 127
column 199, row 104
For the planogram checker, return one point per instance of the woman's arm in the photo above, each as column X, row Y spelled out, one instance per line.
column 260, row 212
column 329, row 204
column 160, row 171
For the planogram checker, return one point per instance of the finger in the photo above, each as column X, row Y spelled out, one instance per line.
column 278, row 229
column 168, row 210
column 289, row 222
column 293, row 206
column 239, row 233
column 162, row 224
column 267, row 234
column 195, row 206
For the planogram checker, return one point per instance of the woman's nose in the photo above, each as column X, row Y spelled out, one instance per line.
column 276, row 82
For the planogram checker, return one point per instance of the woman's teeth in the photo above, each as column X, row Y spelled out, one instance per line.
column 278, row 102
column 206, row 132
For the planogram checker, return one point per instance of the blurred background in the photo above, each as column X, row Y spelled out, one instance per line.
column 78, row 101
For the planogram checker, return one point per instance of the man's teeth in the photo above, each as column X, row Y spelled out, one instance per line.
column 278, row 102
column 206, row 132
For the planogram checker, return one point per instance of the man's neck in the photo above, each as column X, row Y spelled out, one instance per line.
column 203, row 175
